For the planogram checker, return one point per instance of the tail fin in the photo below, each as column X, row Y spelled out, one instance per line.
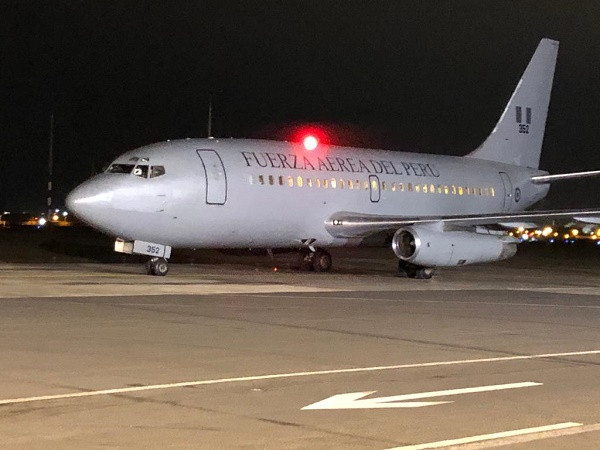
column 518, row 135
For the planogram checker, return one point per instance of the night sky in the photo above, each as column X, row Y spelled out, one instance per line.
column 424, row 76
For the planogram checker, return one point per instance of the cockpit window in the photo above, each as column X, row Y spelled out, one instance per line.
column 141, row 171
column 120, row 168
column 157, row 171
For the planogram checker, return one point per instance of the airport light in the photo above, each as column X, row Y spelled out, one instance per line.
column 42, row 222
column 547, row 231
column 574, row 231
column 55, row 217
column 566, row 236
column 65, row 213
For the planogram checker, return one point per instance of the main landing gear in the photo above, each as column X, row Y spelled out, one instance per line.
column 318, row 260
column 413, row 271
column 157, row 266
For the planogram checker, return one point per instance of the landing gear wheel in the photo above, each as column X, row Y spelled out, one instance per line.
column 305, row 260
column 321, row 261
column 412, row 271
column 424, row 273
column 157, row 266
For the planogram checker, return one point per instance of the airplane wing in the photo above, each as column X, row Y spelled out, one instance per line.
column 350, row 225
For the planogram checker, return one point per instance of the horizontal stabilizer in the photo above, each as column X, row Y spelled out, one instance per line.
column 541, row 179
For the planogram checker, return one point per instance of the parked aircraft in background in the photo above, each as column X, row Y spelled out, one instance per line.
column 225, row 193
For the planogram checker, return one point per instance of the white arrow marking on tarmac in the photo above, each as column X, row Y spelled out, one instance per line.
column 353, row 400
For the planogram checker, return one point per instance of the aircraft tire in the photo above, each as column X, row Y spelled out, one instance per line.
column 424, row 273
column 321, row 261
column 160, row 267
column 305, row 262
column 150, row 266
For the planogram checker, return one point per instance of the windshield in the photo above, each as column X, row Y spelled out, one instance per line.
column 120, row 168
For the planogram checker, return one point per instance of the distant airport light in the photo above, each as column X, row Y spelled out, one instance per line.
column 566, row 235
column 65, row 214
column 574, row 231
column 55, row 217
column 310, row 142
column 547, row 231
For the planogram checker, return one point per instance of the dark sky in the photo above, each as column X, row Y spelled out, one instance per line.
column 429, row 76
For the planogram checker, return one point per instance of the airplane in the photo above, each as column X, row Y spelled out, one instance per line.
column 310, row 196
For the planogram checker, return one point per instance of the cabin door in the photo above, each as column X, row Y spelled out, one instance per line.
column 216, row 178
column 507, row 192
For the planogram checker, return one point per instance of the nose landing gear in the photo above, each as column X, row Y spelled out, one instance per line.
column 157, row 266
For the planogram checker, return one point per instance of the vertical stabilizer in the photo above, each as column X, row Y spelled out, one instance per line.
column 518, row 135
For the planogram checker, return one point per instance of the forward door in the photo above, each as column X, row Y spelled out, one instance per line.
column 215, row 175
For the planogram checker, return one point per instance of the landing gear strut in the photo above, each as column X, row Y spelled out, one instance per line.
column 319, row 260
column 157, row 266
column 413, row 271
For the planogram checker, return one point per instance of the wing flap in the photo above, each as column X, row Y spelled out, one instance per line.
column 350, row 225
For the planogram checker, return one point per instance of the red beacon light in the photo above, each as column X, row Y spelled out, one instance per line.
column 310, row 142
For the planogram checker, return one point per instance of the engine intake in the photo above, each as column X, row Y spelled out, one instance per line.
column 430, row 248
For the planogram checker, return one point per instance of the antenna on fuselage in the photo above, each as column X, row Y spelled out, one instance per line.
column 209, row 125
column 50, row 165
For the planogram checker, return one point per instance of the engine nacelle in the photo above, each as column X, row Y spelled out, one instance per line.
column 430, row 248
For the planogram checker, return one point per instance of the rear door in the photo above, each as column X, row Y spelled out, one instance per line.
column 507, row 191
column 216, row 177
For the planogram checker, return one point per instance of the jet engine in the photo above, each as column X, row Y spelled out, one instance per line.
column 430, row 248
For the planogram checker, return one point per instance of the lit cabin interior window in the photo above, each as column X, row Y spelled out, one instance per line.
column 446, row 191
column 432, row 189
column 350, row 184
column 453, row 190
column 374, row 185
column 417, row 188
column 383, row 185
column 309, row 182
column 460, row 190
column 261, row 179
column 341, row 184
column 393, row 187
column 401, row 187
column 493, row 192
column 366, row 185
column 325, row 183
column 290, row 181
column 299, row 181
column 425, row 189
column 157, row 171
column 333, row 183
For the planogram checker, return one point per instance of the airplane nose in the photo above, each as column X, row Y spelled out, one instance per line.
column 90, row 201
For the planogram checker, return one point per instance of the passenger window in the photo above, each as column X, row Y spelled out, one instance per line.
column 425, row 190
column 393, row 187
column 271, row 180
column 460, row 190
column 309, row 182
column 350, row 186
column 318, row 182
column 439, row 189
column 261, row 179
column 366, row 185
column 453, row 190
column 493, row 192
column 299, row 181
column 417, row 188
column 333, row 183
column 357, row 184
column 446, row 190
column 325, row 183
column 486, row 192
column 157, row 171
column 410, row 187
column 374, row 185
column 401, row 187
column 280, row 180
column 250, row 179
column 341, row 184
column 290, row 181
column 141, row 171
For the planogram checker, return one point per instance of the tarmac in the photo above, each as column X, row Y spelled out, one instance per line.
column 234, row 356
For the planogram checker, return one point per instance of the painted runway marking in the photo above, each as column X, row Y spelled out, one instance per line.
column 353, row 400
column 124, row 390
column 444, row 302
column 492, row 436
